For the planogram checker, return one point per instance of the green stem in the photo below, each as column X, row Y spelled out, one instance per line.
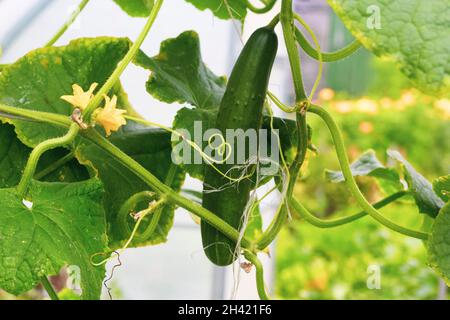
column 322, row 223
column 266, row 8
column 272, row 230
column 287, row 22
column 68, row 23
column 39, row 151
column 27, row 115
column 49, row 288
column 326, row 56
column 95, row 102
column 165, row 191
column 156, row 216
column 129, row 206
column 273, row 23
column 350, row 181
column 55, row 165
column 260, row 286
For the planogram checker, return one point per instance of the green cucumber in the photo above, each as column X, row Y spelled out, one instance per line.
column 241, row 108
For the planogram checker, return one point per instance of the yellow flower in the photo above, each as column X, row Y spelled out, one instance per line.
column 110, row 117
column 80, row 99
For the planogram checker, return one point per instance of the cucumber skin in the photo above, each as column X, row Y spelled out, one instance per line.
column 241, row 108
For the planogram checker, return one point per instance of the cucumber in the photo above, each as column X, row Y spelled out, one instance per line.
column 241, row 108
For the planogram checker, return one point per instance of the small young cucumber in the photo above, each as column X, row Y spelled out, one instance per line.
column 241, row 108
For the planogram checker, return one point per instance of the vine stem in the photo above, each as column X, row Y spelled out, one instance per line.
column 147, row 177
column 128, row 206
column 40, row 116
column 260, row 286
column 68, row 23
column 322, row 223
column 314, row 52
column 287, row 22
column 268, row 5
column 350, row 180
column 95, row 102
column 49, row 288
column 156, row 216
column 38, row 151
column 326, row 56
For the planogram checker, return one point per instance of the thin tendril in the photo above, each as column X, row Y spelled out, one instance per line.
column 66, row 25
column 268, row 5
column 225, row 145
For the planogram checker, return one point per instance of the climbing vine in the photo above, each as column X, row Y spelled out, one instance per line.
column 83, row 176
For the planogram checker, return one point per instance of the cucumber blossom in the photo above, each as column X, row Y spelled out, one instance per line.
column 241, row 108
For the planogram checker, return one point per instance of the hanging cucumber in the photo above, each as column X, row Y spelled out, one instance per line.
column 241, row 108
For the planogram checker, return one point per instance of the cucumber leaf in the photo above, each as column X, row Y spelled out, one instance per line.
column 223, row 9
column 64, row 226
column 369, row 165
column 180, row 75
column 439, row 244
column 421, row 189
column 412, row 32
column 136, row 8
column 442, row 187
column 13, row 157
column 46, row 74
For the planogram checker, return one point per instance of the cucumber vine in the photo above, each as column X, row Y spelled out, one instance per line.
column 82, row 131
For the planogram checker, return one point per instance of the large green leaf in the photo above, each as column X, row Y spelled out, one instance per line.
column 64, row 226
column 223, row 9
column 39, row 79
column 426, row 199
column 13, row 157
column 368, row 165
column 136, row 8
column 152, row 149
column 439, row 244
column 180, row 75
column 412, row 32
column 442, row 187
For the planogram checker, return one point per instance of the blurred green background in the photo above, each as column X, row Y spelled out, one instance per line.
column 315, row 263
